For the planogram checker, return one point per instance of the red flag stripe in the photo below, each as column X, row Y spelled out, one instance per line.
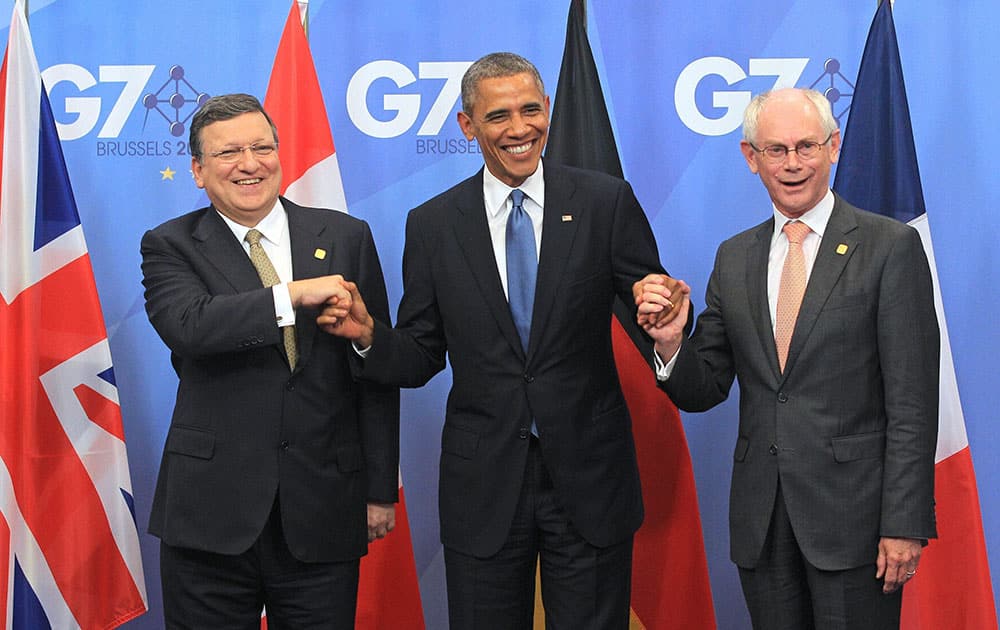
column 387, row 592
column 103, row 412
column 669, row 545
column 294, row 101
column 959, row 544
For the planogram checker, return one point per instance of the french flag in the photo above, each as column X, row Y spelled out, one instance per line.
column 878, row 171
column 388, row 590
column 69, row 547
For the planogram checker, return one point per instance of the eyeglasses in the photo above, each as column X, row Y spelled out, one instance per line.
column 777, row 153
column 230, row 156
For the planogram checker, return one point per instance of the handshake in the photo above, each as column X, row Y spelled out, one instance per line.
column 342, row 310
column 663, row 304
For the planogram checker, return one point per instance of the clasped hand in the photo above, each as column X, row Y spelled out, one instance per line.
column 663, row 307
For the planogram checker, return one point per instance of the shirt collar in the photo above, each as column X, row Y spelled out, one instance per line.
column 495, row 192
column 274, row 226
column 816, row 218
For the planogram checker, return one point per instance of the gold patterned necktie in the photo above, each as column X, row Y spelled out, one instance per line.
column 793, row 287
column 270, row 278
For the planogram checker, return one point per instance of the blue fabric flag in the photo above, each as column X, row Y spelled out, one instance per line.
column 878, row 162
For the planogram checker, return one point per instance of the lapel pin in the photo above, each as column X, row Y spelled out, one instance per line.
column 567, row 218
column 842, row 249
column 319, row 254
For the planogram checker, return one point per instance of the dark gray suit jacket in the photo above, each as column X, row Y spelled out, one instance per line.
column 596, row 242
column 244, row 428
column 850, row 427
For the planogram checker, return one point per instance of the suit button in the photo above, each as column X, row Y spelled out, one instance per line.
column 284, row 445
column 528, row 378
column 290, row 386
column 773, row 450
column 523, row 433
column 782, row 397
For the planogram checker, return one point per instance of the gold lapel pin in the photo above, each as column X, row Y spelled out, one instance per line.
column 567, row 218
column 319, row 254
column 842, row 249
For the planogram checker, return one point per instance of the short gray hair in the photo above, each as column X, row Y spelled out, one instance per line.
column 819, row 101
column 223, row 107
column 494, row 66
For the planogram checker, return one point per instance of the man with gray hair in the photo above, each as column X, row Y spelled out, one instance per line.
column 278, row 468
column 511, row 275
column 825, row 314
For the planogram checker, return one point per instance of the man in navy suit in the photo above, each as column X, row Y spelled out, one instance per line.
column 537, row 455
column 278, row 468
column 833, row 473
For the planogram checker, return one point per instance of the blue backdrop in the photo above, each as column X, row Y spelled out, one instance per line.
column 677, row 75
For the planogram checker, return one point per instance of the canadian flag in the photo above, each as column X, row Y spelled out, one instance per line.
column 388, row 592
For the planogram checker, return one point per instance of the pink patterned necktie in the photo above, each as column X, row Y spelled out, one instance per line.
column 793, row 287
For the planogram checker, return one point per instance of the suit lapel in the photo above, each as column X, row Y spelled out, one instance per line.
column 557, row 240
column 473, row 235
column 217, row 244
column 831, row 260
column 756, row 283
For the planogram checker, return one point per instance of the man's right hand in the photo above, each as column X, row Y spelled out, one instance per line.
column 319, row 291
column 353, row 322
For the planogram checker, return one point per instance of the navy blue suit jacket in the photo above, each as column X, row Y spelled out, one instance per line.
column 596, row 242
column 245, row 429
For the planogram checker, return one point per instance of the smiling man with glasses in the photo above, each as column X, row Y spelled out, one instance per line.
column 825, row 314
column 278, row 468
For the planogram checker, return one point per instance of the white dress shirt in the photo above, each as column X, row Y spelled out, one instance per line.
column 496, row 195
column 816, row 218
column 277, row 245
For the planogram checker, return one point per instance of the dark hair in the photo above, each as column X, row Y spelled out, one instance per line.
column 224, row 107
column 493, row 66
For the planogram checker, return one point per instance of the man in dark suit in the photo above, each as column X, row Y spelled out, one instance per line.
column 538, row 459
column 833, row 473
column 278, row 468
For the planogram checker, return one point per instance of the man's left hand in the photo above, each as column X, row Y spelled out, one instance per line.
column 897, row 561
column 381, row 520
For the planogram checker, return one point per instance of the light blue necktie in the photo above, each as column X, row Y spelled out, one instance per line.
column 522, row 266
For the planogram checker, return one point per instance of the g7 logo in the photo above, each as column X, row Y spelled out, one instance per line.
column 88, row 108
column 405, row 106
column 788, row 71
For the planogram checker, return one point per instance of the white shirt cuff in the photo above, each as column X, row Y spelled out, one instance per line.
column 284, row 314
column 664, row 370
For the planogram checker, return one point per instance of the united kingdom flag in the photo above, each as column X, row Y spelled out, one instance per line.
column 69, row 548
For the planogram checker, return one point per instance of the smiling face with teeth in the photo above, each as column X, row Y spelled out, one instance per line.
column 795, row 185
column 510, row 121
column 246, row 190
